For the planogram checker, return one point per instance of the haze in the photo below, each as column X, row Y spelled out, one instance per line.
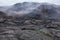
column 11, row 2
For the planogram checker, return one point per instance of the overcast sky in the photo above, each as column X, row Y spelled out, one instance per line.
column 11, row 2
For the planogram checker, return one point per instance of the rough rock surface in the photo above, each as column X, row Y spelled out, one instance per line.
column 28, row 32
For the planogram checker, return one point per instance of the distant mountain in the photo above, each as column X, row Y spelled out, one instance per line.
column 32, row 9
column 45, row 11
column 25, row 7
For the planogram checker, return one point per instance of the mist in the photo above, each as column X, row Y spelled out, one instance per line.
column 11, row 2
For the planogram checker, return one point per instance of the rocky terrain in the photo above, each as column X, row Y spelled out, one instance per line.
column 41, row 22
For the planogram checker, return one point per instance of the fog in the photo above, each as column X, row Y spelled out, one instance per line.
column 11, row 2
